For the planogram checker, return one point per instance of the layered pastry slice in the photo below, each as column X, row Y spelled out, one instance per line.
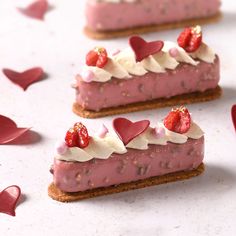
column 147, row 75
column 108, row 19
column 129, row 156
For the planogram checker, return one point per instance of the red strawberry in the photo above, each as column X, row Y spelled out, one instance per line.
column 91, row 58
column 190, row 39
column 178, row 120
column 83, row 137
column 97, row 57
column 77, row 136
column 71, row 138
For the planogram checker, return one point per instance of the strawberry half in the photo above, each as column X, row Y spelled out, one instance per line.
column 190, row 39
column 77, row 136
column 97, row 57
column 83, row 137
column 71, row 138
column 178, row 120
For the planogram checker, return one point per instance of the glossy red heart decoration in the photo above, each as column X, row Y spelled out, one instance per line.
column 36, row 9
column 26, row 78
column 233, row 114
column 127, row 130
column 8, row 199
column 143, row 49
column 9, row 130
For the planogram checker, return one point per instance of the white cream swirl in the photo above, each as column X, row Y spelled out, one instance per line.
column 123, row 65
column 102, row 148
column 204, row 53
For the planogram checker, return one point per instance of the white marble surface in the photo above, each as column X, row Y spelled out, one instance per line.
column 202, row 206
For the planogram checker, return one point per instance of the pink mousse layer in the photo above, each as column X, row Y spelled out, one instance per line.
column 116, row 92
column 131, row 166
column 114, row 16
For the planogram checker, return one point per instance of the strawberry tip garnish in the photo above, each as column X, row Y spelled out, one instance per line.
column 97, row 57
column 77, row 136
column 190, row 38
column 178, row 120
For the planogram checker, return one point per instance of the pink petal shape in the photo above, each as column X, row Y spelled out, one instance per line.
column 26, row 78
column 8, row 199
column 36, row 10
column 143, row 49
column 9, row 130
column 233, row 114
column 127, row 130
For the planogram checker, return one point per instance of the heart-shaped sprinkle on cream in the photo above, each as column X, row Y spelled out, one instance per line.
column 127, row 130
column 143, row 49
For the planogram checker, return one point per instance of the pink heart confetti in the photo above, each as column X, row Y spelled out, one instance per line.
column 36, row 10
column 233, row 114
column 9, row 131
column 143, row 49
column 8, row 199
column 26, row 78
column 127, row 130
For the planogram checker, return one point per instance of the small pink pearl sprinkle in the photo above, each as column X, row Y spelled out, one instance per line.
column 102, row 132
column 159, row 132
column 116, row 52
column 174, row 52
column 87, row 76
column 61, row 148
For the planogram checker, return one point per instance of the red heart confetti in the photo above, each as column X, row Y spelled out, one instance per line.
column 26, row 78
column 36, row 10
column 233, row 114
column 9, row 131
column 143, row 49
column 127, row 130
column 8, row 199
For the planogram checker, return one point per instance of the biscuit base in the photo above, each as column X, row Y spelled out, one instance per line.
column 151, row 28
column 183, row 99
column 58, row 195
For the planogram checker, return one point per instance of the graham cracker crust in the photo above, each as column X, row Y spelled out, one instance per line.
column 58, row 195
column 184, row 99
column 100, row 35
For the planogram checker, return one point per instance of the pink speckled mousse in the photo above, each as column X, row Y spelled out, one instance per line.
column 103, row 16
column 117, row 92
column 131, row 166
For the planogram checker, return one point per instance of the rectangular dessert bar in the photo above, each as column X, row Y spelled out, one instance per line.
column 107, row 19
column 137, row 156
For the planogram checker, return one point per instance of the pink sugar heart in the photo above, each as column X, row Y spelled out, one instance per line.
column 36, row 10
column 26, row 78
column 127, row 130
column 9, row 130
column 143, row 49
column 8, row 199
column 233, row 114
